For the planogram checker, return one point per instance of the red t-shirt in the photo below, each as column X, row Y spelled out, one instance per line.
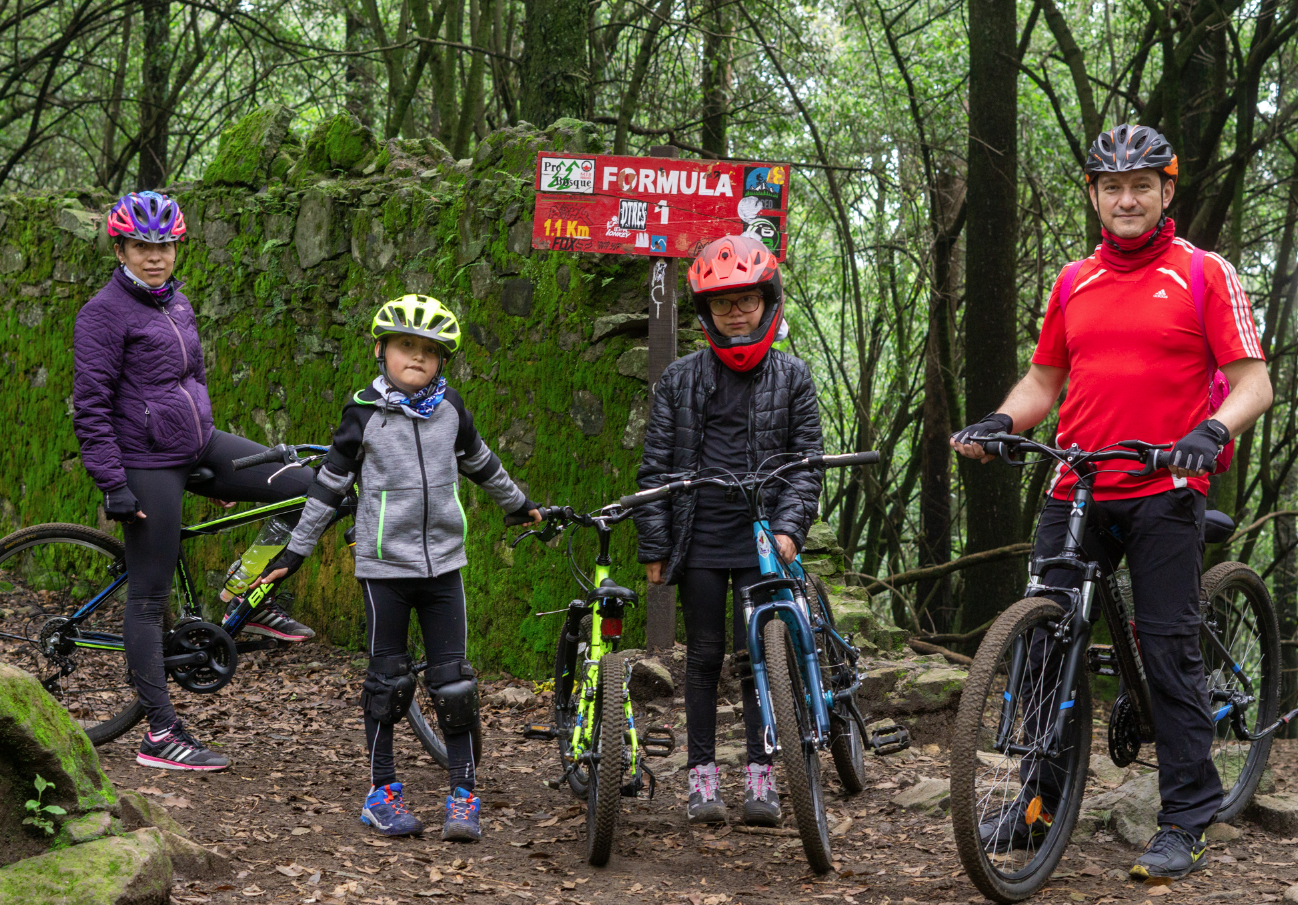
column 1137, row 365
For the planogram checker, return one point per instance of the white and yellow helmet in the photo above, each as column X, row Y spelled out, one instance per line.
column 418, row 315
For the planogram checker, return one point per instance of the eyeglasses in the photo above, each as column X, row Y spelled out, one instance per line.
column 747, row 304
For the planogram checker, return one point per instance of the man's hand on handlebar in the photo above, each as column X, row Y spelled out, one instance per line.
column 995, row 423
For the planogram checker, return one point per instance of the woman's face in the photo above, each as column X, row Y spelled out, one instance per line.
column 152, row 262
column 412, row 361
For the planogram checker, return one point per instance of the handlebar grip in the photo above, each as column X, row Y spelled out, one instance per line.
column 1163, row 458
column 631, row 500
column 512, row 521
column 842, row 460
column 274, row 454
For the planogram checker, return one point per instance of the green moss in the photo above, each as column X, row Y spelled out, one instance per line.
column 249, row 149
column 340, row 144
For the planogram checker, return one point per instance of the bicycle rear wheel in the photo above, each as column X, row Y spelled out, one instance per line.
column 799, row 758
column 1013, row 814
column 604, row 794
column 49, row 573
column 1238, row 612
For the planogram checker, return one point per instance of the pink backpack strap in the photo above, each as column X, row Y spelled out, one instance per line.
column 1066, row 287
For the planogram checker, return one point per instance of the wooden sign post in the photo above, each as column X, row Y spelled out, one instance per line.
column 666, row 209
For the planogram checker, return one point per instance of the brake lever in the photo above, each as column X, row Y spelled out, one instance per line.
column 526, row 534
column 286, row 468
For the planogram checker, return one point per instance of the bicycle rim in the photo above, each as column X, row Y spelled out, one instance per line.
column 50, row 572
column 1238, row 611
column 605, row 795
column 1013, row 815
column 799, row 758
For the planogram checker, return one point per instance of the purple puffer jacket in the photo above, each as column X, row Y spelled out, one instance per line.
column 139, row 396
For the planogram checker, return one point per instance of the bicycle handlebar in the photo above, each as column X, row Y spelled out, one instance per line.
column 1153, row 455
column 547, row 512
column 274, row 454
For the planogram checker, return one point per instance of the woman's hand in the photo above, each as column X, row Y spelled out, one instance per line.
column 654, row 571
column 787, row 549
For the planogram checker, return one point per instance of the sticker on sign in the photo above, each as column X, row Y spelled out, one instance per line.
column 568, row 174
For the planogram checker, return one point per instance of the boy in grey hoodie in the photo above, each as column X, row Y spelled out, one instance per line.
column 406, row 439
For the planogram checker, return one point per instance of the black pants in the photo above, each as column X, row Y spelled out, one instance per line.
column 439, row 604
column 703, row 601
column 1162, row 539
column 153, row 546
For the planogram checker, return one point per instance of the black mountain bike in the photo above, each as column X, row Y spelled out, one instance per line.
column 66, row 587
column 1025, row 714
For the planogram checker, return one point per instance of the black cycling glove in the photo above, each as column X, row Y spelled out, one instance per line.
column 287, row 559
column 1198, row 450
column 121, row 505
column 520, row 515
column 995, row 423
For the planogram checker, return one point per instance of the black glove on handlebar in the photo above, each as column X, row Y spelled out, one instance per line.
column 995, row 423
column 287, row 559
column 1198, row 450
column 121, row 505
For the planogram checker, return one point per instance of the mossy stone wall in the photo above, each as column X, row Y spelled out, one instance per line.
column 292, row 246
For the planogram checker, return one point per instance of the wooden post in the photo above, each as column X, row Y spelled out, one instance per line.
column 660, row 607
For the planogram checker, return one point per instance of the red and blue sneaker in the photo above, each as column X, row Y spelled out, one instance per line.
column 386, row 811
column 462, row 824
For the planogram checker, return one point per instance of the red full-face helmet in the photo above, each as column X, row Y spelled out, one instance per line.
column 727, row 265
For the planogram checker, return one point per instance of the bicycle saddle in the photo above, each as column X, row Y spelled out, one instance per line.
column 609, row 589
column 200, row 475
column 1217, row 526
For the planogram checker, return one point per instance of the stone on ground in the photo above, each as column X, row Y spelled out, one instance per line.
column 1222, row 832
column 248, row 148
column 1291, row 894
column 139, row 811
column 926, row 796
column 190, row 860
column 650, row 679
column 79, row 830
column 1276, row 813
column 1129, row 812
column 133, row 869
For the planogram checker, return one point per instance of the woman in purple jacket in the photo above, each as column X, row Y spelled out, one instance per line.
column 144, row 421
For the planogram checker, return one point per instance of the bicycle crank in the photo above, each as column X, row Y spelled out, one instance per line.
column 199, row 656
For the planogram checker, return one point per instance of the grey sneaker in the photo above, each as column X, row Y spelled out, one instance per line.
column 761, row 802
column 705, row 804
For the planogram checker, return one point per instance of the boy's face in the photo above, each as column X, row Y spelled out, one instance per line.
column 412, row 361
column 152, row 262
column 737, row 313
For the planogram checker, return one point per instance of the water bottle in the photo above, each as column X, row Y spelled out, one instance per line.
column 271, row 539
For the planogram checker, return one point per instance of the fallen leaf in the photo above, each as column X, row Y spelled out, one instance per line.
column 253, row 891
column 314, row 879
column 1091, row 870
column 177, row 802
column 843, row 827
column 301, row 830
column 293, row 870
column 377, row 843
column 434, row 875
column 551, row 822
column 150, row 790
column 1159, row 891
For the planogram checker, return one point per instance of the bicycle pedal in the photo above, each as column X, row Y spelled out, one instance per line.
column 1101, row 660
column 657, row 741
column 889, row 740
column 541, row 732
column 632, row 789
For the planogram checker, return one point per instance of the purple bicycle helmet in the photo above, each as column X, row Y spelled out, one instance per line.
column 147, row 216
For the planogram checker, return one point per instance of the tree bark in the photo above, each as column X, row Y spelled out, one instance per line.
column 718, row 22
column 107, row 157
column 1285, row 544
column 555, row 80
column 155, row 77
column 631, row 99
column 359, row 74
column 991, row 353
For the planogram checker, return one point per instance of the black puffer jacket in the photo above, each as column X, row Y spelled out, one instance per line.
column 783, row 417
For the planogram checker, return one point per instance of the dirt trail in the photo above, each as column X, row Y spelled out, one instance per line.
column 287, row 816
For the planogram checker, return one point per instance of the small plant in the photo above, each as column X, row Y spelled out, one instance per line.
column 42, row 812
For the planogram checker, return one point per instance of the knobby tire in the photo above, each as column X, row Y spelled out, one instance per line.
column 845, row 741
column 604, row 797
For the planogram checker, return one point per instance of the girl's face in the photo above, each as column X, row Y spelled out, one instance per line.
column 152, row 262
column 412, row 361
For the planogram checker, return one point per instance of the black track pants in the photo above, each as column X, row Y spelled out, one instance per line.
column 439, row 603
column 153, row 546
column 1162, row 538
column 703, row 601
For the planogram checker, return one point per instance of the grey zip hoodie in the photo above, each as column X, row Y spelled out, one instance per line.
column 409, row 522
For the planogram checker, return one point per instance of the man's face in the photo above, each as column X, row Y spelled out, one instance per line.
column 1130, row 204
column 737, row 313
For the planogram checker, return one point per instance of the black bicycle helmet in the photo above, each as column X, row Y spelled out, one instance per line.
column 1130, row 148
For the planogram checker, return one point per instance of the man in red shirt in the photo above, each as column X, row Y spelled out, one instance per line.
column 1137, row 354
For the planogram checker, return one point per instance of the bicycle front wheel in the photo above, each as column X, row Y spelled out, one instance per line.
column 845, row 741
column 49, row 573
column 604, row 794
column 1013, row 807
column 1238, row 613
column 422, row 707
column 799, row 758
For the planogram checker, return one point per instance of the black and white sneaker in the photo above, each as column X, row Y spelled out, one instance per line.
column 271, row 620
column 176, row 749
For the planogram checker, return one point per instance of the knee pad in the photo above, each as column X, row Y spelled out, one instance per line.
column 454, row 690
column 388, row 689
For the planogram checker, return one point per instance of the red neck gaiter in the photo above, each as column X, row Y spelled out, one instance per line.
column 1126, row 255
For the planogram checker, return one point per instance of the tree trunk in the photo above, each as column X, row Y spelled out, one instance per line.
column 471, row 105
column 155, row 77
column 631, row 99
column 107, row 158
column 1285, row 541
column 555, row 82
column 718, row 23
column 991, row 353
column 359, row 73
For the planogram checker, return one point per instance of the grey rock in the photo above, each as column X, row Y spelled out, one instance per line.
column 563, row 277
column 134, row 869
column 1291, row 894
column 587, row 412
column 637, row 420
column 516, row 297
column 81, row 223
column 1276, row 813
column 520, row 238
column 317, row 236
column 519, row 441
column 86, row 828
column 926, row 796
column 482, row 282
column 483, row 337
column 373, row 249
column 731, row 755
column 190, row 860
column 650, row 679
column 1222, row 832
column 619, row 324
column 12, row 259
column 1132, row 808
column 634, row 362
column 140, row 811
column 218, row 233
column 821, row 539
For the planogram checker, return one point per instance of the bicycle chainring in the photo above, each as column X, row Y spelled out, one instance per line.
column 1124, row 732
column 216, row 665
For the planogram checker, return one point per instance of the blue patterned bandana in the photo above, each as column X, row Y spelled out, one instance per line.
column 420, row 405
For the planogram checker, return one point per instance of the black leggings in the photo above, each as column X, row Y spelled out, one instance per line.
column 153, row 546
column 439, row 603
column 703, row 602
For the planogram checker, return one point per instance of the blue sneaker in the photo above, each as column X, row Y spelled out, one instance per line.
column 386, row 811
column 462, row 817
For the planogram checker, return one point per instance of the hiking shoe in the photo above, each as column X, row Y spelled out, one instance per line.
column 386, row 811
column 271, row 620
column 761, row 802
column 462, row 824
column 705, row 804
column 1172, row 854
column 176, row 749
column 1023, row 824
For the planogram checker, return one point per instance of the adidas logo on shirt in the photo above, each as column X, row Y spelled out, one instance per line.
column 1160, row 294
